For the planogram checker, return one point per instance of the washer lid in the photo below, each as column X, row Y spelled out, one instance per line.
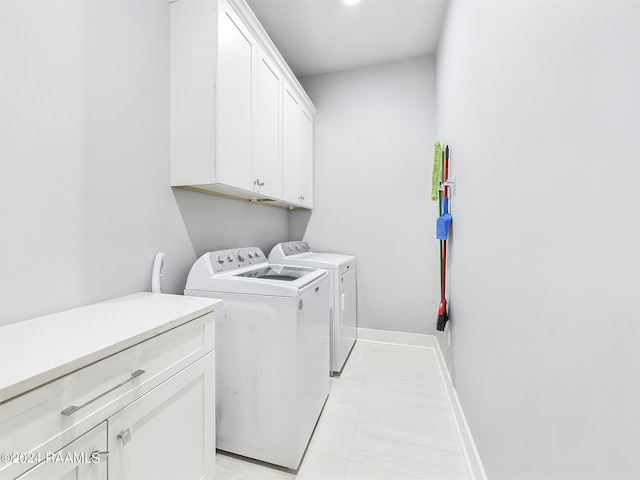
column 263, row 279
column 319, row 260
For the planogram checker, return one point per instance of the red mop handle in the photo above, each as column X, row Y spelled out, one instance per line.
column 444, row 269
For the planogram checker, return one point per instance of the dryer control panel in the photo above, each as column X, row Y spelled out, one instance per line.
column 294, row 248
column 225, row 260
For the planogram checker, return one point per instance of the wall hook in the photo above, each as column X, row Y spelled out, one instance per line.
column 449, row 182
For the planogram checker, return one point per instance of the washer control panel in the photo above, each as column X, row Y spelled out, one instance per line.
column 224, row 260
column 294, row 248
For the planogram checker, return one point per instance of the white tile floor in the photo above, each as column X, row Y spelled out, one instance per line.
column 387, row 418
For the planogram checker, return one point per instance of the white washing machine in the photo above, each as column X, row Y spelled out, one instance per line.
column 272, row 349
column 342, row 293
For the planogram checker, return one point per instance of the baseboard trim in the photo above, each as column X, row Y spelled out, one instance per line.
column 469, row 450
column 472, row 457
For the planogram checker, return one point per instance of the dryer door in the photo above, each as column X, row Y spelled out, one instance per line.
column 345, row 318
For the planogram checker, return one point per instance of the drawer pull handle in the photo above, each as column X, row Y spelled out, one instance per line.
column 73, row 408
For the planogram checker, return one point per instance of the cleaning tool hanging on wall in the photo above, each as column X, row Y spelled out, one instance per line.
column 444, row 221
column 436, row 184
column 437, row 172
column 442, row 233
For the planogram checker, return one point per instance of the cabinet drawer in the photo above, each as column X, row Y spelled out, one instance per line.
column 43, row 419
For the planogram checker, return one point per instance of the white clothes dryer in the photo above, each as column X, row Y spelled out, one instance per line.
column 272, row 349
column 342, row 293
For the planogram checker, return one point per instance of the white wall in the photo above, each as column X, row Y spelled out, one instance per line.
column 84, row 160
column 540, row 102
column 374, row 135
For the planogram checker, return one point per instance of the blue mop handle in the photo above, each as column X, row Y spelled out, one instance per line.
column 445, row 206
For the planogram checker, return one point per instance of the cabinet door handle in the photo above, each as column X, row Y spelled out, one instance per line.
column 98, row 455
column 73, row 408
column 257, row 182
column 124, row 436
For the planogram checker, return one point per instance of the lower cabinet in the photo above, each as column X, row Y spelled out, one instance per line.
column 167, row 434
column 82, row 459
column 160, row 435
column 144, row 412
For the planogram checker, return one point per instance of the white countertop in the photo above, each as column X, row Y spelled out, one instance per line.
column 42, row 349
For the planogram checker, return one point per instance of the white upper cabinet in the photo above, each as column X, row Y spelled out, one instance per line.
column 236, row 52
column 231, row 117
column 297, row 146
column 267, row 127
column 290, row 131
column 306, row 159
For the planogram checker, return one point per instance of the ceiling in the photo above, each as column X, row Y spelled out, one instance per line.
column 321, row 36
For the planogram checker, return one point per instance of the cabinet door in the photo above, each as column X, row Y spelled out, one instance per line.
column 77, row 461
column 267, row 121
column 236, row 51
column 297, row 151
column 305, row 155
column 169, row 433
column 290, row 145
